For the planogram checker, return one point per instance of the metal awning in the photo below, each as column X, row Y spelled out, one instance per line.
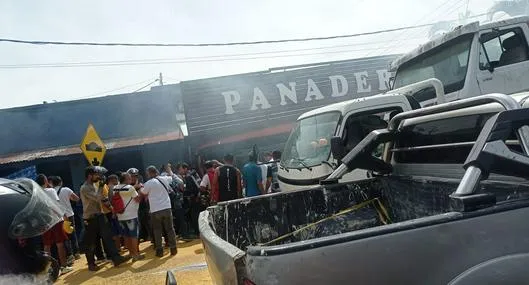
column 69, row 150
column 280, row 129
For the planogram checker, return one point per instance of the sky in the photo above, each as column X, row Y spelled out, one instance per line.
column 196, row 21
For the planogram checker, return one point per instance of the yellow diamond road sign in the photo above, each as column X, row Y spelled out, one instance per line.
column 93, row 147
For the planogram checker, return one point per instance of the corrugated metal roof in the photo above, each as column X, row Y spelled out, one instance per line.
column 69, row 150
column 46, row 126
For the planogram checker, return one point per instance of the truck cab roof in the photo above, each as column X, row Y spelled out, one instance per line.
column 456, row 32
column 359, row 103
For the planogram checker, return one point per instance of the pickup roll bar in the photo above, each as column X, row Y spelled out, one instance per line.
column 360, row 156
column 507, row 102
column 490, row 153
column 473, row 173
column 434, row 82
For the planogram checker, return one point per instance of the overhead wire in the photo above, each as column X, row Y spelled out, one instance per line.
column 141, row 88
column 36, row 42
column 112, row 90
column 174, row 61
column 415, row 33
column 448, row 11
column 221, row 57
column 397, row 40
column 194, row 57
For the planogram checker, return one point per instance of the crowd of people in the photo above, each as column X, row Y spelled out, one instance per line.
column 114, row 214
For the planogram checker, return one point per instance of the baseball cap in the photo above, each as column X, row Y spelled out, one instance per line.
column 133, row 171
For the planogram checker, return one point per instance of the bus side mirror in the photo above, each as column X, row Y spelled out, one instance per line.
column 337, row 148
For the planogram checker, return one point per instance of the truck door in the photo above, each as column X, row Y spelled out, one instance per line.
column 504, row 61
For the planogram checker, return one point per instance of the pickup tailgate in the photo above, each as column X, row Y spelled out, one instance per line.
column 224, row 260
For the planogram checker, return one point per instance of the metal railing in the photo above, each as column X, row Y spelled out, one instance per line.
column 473, row 174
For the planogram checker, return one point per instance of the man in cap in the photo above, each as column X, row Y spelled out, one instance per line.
column 94, row 219
column 157, row 190
column 143, row 211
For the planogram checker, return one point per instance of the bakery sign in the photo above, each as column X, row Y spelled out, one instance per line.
column 233, row 104
column 342, row 86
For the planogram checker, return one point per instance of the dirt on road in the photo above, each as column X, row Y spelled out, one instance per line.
column 188, row 266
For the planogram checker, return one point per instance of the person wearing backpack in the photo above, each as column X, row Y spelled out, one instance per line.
column 177, row 202
column 125, row 204
column 157, row 190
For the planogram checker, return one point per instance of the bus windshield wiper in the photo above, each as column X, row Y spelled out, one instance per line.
column 302, row 162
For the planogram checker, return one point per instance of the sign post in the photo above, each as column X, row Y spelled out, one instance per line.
column 93, row 147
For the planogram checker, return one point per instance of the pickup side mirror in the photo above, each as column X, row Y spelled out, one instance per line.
column 391, row 82
column 337, row 148
column 170, row 279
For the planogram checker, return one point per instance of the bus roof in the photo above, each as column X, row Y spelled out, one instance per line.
column 455, row 33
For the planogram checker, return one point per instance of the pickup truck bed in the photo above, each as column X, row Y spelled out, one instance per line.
column 391, row 229
column 257, row 221
column 249, row 224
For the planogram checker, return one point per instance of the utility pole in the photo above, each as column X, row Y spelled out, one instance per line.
column 160, row 79
column 466, row 15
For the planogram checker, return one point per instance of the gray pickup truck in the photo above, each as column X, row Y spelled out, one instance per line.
column 446, row 203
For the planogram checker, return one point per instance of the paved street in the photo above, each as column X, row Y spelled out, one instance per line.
column 188, row 266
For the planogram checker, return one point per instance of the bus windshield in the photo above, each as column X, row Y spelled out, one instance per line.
column 309, row 143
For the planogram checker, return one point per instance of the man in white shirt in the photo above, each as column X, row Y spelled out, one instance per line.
column 66, row 195
column 157, row 190
column 56, row 234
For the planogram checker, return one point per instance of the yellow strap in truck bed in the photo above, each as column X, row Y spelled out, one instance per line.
column 381, row 210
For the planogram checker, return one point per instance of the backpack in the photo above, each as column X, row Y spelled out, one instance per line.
column 118, row 206
column 174, row 194
column 177, row 197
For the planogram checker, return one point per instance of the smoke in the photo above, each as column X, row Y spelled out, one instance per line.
column 23, row 279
